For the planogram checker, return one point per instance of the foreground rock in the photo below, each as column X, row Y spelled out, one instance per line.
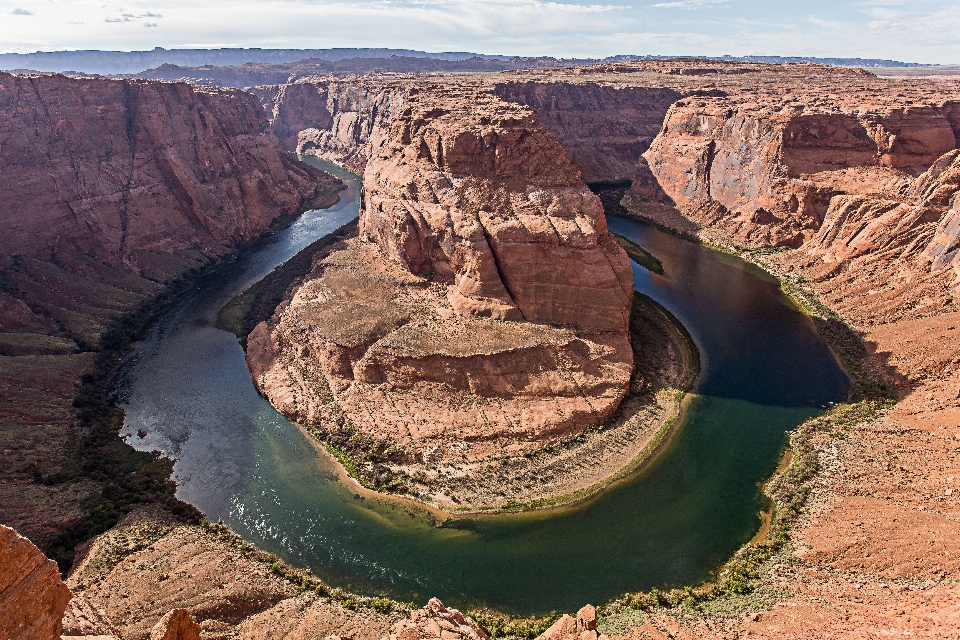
column 176, row 625
column 484, row 310
column 32, row 595
column 150, row 577
column 583, row 627
column 437, row 621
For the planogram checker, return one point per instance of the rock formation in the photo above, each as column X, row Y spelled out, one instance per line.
column 82, row 619
column 331, row 118
column 485, row 308
column 764, row 172
column 436, row 621
column 111, row 190
column 176, row 625
column 32, row 595
column 583, row 627
column 487, row 200
column 135, row 173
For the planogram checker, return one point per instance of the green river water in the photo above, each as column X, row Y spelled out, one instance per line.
column 764, row 370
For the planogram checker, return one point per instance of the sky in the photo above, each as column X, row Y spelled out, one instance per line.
column 914, row 31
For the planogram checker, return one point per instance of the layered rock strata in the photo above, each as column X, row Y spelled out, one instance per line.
column 334, row 119
column 32, row 595
column 484, row 309
column 110, row 191
column 132, row 173
column 764, row 172
column 603, row 128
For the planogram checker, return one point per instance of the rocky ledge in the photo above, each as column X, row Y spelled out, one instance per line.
column 483, row 311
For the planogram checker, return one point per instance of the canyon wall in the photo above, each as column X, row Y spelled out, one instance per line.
column 111, row 189
column 127, row 172
column 764, row 173
column 337, row 120
column 603, row 128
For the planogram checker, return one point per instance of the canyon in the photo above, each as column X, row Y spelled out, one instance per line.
column 479, row 242
column 113, row 191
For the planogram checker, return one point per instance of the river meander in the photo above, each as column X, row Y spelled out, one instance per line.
column 764, row 370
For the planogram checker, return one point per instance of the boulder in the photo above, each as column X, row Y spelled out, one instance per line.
column 176, row 625
column 435, row 621
column 33, row 598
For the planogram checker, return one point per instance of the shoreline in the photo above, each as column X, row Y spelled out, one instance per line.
column 648, row 437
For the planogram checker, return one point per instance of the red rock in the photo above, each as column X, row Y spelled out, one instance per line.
column 480, row 196
column 603, row 128
column 33, row 598
column 437, row 621
column 764, row 172
column 132, row 172
column 176, row 625
column 470, row 206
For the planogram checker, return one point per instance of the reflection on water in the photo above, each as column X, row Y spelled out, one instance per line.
column 237, row 459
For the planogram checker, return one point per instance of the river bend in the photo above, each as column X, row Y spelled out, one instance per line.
column 764, row 370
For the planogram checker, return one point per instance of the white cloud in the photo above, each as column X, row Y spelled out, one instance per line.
column 20, row 12
column 915, row 30
column 688, row 4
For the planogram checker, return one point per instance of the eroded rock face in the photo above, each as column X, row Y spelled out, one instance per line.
column 32, row 595
column 603, row 128
column 130, row 172
column 470, row 191
column 485, row 308
column 764, row 172
column 331, row 118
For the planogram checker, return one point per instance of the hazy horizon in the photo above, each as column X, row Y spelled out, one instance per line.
column 919, row 31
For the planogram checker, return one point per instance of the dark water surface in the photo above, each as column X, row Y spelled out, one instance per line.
column 237, row 459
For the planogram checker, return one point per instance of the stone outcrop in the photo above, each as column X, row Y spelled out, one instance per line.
column 764, row 172
column 485, row 308
column 32, row 595
column 583, row 627
column 436, row 621
column 176, row 625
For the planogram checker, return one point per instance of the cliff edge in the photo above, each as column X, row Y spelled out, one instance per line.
column 484, row 309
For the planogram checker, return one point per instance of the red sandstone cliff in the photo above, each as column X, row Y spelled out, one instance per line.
column 603, row 128
column 764, row 172
column 132, row 172
column 333, row 119
column 489, row 202
column 487, row 310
